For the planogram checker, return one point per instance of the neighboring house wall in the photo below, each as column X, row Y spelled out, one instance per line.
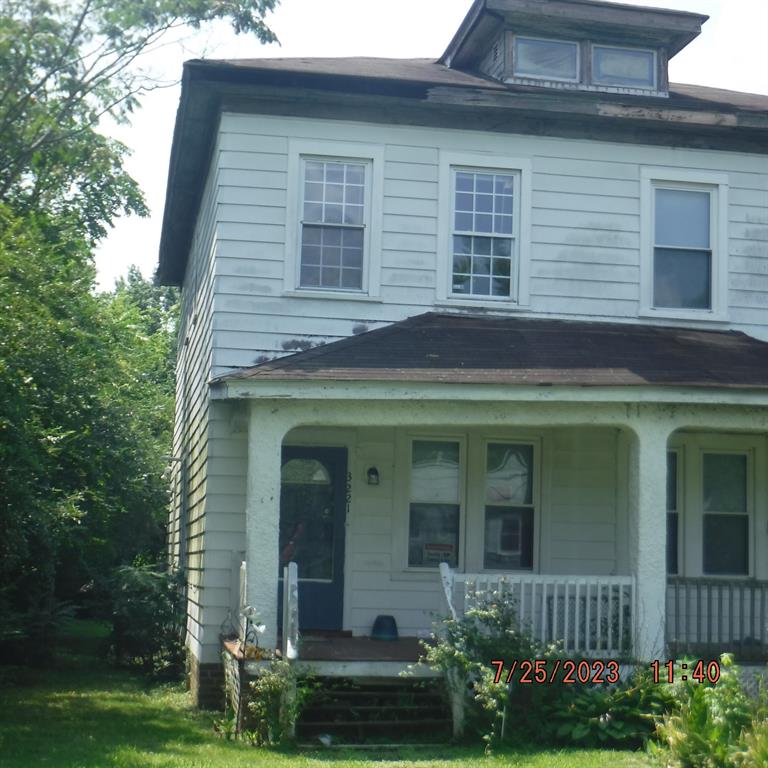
column 584, row 211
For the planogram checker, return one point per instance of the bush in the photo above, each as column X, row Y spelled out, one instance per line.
column 621, row 716
column 148, row 619
column 587, row 715
column 709, row 728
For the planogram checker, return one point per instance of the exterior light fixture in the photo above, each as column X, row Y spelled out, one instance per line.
column 373, row 476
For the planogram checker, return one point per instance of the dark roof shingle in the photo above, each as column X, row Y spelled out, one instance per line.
column 436, row 347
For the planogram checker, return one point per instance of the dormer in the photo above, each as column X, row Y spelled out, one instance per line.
column 577, row 45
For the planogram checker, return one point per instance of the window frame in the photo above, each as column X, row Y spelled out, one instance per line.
column 749, row 512
column 692, row 446
column 655, row 67
column 680, row 498
column 435, row 437
column 547, row 78
column 450, row 163
column 372, row 156
column 478, row 499
column 716, row 184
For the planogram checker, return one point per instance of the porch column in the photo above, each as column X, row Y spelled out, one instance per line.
column 266, row 429
column 648, row 536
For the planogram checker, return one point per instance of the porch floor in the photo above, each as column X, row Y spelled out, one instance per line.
column 314, row 648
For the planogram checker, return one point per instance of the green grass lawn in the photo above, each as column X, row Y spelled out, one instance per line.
column 80, row 713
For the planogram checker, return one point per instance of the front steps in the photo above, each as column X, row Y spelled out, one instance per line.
column 345, row 711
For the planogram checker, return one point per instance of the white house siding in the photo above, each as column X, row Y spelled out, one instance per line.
column 581, row 525
column 191, row 432
column 585, row 230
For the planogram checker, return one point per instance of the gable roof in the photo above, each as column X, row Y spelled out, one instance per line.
column 464, row 349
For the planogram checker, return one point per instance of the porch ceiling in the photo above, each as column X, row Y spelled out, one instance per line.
column 462, row 349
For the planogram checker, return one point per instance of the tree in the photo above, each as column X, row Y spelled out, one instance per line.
column 63, row 67
column 86, row 380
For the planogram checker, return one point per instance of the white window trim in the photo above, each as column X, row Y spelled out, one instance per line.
column 449, row 161
column 403, row 498
column 373, row 156
column 691, row 508
column 653, row 51
column 717, row 183
column 476, row 500
column 548, row 78
column 679, row 451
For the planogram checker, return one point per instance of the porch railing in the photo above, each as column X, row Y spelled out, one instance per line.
column 706, row 617
column 290, row 644
column 290, row 633
column 587, row 615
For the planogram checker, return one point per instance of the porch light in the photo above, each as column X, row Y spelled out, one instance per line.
column 373, row 476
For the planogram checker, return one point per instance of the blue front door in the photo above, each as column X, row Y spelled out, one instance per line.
column 313, row 505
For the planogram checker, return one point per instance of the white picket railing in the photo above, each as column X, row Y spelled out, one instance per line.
column 290, row 611
column 587, row 615
column 290, row 635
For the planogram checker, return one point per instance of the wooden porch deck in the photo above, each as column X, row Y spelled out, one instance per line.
column 318, row 648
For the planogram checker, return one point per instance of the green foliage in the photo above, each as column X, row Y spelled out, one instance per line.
column 709, row 727
column 86, row 408
column 276, row 698
column 148, row 619
column 755, row 754
column 65, row 65
column 621, row 715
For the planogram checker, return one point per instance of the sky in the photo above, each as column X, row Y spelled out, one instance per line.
column 731, row 53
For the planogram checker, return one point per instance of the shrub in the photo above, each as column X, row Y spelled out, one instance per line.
column 708, row 729
column 148, row 619
column 622, row 716
column 755, row 754
column 276, row 698
column 464, row 648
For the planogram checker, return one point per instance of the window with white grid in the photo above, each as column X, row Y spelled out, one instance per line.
column 333, row 224
column 484, row 233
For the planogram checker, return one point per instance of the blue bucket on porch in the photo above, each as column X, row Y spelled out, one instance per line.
column 384, row 628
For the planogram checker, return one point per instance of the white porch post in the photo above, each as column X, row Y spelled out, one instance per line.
column 648, row 536
column 266, row 429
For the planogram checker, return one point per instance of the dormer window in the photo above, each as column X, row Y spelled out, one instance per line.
column 546, row 59
column 573, row 45
column 627, row 67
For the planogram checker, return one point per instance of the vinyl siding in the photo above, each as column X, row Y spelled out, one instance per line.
column 585, row 231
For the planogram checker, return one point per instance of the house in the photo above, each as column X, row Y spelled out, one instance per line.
column 505, row 311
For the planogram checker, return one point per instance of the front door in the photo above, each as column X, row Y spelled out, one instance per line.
column 313, row 505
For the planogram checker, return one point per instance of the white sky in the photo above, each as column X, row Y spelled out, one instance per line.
column 731, row 52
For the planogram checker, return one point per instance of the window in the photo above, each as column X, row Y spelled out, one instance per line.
column 546, row 59
column 682, row 256
column 673, row 515
column 684, row 239
column 726, row 514
column 509, row 510
column 333, row 224
column 434, row 511
column 483, row 233
column 626, row 67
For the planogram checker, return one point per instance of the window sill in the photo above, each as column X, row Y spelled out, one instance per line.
column 343, row 295
column 709, row 318
column 503, row 305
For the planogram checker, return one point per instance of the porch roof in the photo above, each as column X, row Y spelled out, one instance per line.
column 461, row 349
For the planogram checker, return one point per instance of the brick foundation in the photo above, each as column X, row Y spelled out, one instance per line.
column 206, row 682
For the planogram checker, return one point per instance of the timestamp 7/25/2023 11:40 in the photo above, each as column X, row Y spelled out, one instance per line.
column 598, row 672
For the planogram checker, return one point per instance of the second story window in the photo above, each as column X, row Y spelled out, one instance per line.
column 682, row 258
column 684, row 242
column 333, row 224
column 484, row 233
